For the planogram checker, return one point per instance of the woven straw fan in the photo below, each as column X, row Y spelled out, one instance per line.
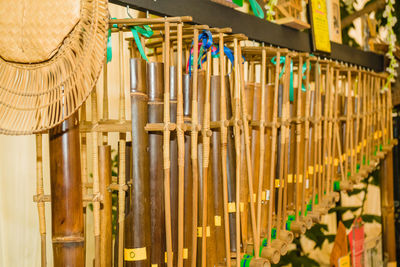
column 51, row 54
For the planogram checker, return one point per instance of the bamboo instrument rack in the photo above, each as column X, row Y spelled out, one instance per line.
column 265, row 139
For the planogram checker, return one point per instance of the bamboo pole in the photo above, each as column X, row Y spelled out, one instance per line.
column 181, row 147
column 224, row 151
column 166, row 145
column 236, row 132
column 40, row 205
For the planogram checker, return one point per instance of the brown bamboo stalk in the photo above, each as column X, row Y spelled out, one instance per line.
column 121, row 156
column 194, row 140
column 206, row 148
column 236, row 132
column 181, row 147
column 105, row 212
column 166, row 154
column 245, row 124
column 224, row 151
column 40, row 205
column 262, row 143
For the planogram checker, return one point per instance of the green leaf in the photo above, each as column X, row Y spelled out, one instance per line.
column 348, row 223
column 369, row 218
column 355, row 191
column 342, row 210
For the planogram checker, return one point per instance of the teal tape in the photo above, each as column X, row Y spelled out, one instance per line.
column 145, row 31
column 257, row 9
column 282, row 60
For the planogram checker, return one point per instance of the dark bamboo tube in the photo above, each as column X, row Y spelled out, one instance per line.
column 137, row 219
column 188, row 181
column 66, row 194
column 216, row 170
column 105, row 210
column 128, row 177
column 173, row 154
column 155, row 82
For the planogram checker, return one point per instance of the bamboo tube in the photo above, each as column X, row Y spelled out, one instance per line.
column 224, row 133
column 256, row 235
column 121, row 155
column 216, row 170
column 306, row 218
column 40, row 205
column 188, row 196
column 181, row 147
column 105, row 212
column 137, row 220
column 166, row 143
column 84, row 169
column 155, row 81
column 96, row 185
column 236, row 132
column 173, row 145
column 261, row 142
column 66, row 194
column 274, row 243
column 194, row 137
column 206, row 149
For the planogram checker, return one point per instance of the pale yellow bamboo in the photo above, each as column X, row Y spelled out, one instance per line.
column 194, row 140
column 224, row 136
column 245, row 125
column 166, row 152
column 181, row 148
column 40, row 205
column 236, row 132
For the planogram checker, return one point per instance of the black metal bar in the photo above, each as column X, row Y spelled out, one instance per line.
column 216, row 15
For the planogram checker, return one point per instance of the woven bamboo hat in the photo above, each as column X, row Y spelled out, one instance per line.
column 51, row 54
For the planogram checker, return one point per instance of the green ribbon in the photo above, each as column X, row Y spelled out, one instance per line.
column 257, row 10
column 282, row 60
column 380, row 147
column 145, row 31
column 336, row 186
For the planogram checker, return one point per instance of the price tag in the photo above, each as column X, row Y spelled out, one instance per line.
column 135, row 254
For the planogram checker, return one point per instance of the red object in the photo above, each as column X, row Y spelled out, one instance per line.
column 356, row 240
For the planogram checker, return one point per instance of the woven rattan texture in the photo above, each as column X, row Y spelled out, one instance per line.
column 36, row 97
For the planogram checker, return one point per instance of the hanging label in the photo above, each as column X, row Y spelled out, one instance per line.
column 185, row 253
column 135, row 254
column 263, row 195
column 365, row 142
column 166, row 257
column 217, row 220
column 231, row 207
column 241, row 206
column 320, row 26
column 300, row 178
column 310, row 169
column 154, row 265
column 290, row 178
column 336, row 162
column 267, row 193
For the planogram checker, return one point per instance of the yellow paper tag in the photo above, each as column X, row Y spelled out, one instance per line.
column 217, row 220
column 380, row 134
column 375, row 135
column 135, row 254
column 208, row 231
column 321, row 168
column 199, row 231
column 310, row 170
column 166, row 256
column 154, row 265
column 336, row 162
column 300, row 178
column 358, row 149
column 263, row 195
column 290, row 178
column 320, row 26
column 365, row 142
column 185, row 253
column 276, row 182
column 231, row 207
column 241, row 206
column 344, row 261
